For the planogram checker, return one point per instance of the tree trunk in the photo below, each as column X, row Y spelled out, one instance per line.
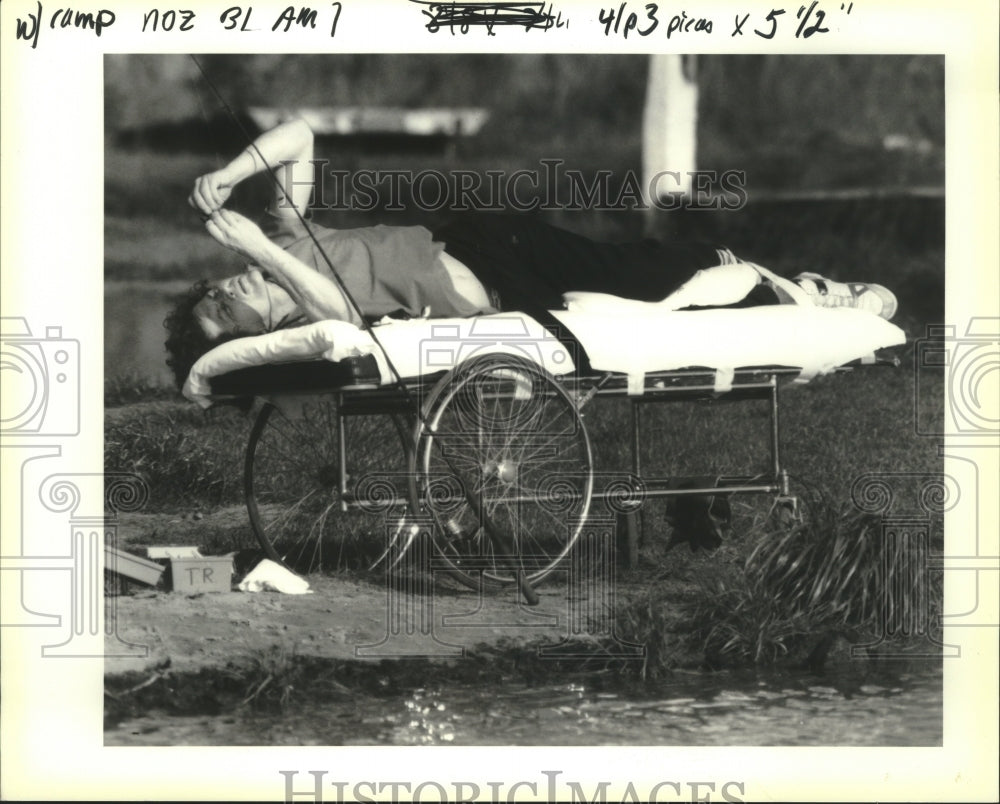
column 670, row 124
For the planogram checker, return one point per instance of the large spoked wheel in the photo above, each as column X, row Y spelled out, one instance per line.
column 292, row 483
column 503, row 464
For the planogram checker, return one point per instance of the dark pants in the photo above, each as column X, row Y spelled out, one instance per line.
column 529, row 264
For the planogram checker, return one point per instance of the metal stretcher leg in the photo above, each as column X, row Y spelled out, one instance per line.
column 632, row 521
column 785, row 502
column 629, row 536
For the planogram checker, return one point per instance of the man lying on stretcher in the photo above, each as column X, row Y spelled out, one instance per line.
column 476, row 264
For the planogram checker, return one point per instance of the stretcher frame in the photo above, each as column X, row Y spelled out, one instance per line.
column 487, row 543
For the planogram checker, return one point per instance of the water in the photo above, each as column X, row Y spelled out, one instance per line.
column 885, row 708
column 133, row 328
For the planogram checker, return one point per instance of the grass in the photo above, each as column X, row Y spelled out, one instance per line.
column 189, row 458
column 270, row 676
column 131, row 387
column 261, row 680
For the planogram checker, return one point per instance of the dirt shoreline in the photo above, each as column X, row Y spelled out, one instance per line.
column 353, row 615
column 344, row 618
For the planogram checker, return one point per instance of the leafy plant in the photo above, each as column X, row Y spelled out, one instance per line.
column 845, row 569
column 834, row 571
column 270, row 676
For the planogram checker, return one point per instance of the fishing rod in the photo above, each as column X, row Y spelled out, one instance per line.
column 500, row 540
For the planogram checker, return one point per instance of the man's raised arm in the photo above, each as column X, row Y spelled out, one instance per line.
column 284, row 148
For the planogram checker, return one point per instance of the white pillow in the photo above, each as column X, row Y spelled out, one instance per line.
column 416, row 347
column 333, row 340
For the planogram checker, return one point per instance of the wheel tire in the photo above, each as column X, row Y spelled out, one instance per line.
column 501, row 446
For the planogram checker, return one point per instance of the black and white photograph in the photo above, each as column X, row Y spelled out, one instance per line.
column 425, row 413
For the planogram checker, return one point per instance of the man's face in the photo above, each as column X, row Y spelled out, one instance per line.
column 239, row 305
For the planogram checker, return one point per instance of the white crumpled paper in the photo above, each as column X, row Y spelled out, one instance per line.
column 269, row 576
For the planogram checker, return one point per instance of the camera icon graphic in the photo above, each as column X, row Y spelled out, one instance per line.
column 41, row 381
column 972, row 380
column 451, row 344
column 502, row 379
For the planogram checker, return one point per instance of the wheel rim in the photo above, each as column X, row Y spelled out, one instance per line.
column 292, row 478
column 502, row 441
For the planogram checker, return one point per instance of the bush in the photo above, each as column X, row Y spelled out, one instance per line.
column 833, row 572
column 841, row 569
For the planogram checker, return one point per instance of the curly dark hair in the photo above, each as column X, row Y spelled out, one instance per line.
column 186, row 341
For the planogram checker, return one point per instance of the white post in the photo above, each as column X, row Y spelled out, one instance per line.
column 670, row 125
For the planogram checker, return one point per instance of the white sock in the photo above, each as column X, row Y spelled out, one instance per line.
column 715, row 287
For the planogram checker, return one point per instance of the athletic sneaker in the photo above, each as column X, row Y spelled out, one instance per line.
column 825, row 292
